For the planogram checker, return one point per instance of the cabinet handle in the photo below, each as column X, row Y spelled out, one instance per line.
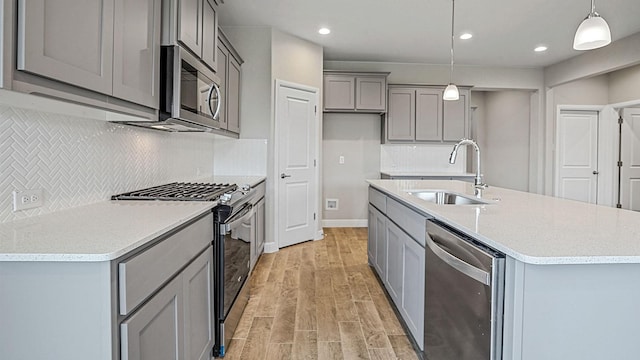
column 214, row 114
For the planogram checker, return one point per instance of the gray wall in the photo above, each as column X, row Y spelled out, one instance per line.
column 270, row 54
column 357, row 138
column 253, row 43
column 624, row 85
column 504, row 138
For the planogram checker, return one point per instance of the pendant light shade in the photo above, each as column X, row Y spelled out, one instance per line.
column 451, row 92
column 593, row 32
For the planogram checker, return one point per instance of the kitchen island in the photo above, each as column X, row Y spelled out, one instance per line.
column 570, row 286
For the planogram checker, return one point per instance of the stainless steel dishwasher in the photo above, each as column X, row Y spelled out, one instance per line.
column 464, row 297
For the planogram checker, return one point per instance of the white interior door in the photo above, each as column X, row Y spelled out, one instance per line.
column 296, row 138
column 630, row 151
column 577, row 156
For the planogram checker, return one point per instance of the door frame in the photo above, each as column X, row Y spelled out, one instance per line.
column 617, row 109
column 276, row 161
column 607, row 150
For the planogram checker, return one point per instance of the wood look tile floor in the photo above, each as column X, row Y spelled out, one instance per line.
column 319, row 300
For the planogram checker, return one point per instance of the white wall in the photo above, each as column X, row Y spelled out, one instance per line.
column 357, row 138
column 79, row 161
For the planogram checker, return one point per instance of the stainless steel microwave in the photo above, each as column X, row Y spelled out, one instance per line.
column 190, row 97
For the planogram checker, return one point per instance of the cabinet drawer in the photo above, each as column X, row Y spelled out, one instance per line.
column 378, row 199
column 141, row 275
column 410, row 221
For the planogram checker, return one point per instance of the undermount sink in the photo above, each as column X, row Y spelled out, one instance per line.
column 444, row 197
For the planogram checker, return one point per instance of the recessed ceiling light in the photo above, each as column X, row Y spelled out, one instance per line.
column 324, row 31
column 466, row 36
column 540, row 48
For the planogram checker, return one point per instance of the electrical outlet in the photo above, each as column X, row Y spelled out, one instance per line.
column 331, row 204
column 341, row 159
column 27, row 199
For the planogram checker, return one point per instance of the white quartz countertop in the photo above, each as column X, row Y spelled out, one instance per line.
column 532, row 228
column 425, row 173
column 98, row 232
column 102, row 231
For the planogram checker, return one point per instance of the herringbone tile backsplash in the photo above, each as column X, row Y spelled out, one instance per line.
column 82, row 161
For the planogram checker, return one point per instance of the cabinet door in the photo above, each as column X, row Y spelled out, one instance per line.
column 260, row 232
column 136, row 49
column 223, row 59
column 371, row 93
column 339, row 92
column 67, row 40
column 412, row 307
column 395, row 258
column 210, row 34
column 155, row 331
column 428, row 115
column 233, row 95
column 380, row 226
column 190, row 25
column 401, row 118
column 455, row 118
column 197, row 283
column 371, row 236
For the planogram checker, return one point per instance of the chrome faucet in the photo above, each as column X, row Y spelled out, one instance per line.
column 477, row 184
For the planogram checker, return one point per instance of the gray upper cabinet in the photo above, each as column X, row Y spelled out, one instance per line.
column 68, row 40
column 136, row 46
column 347, row 92
column 401, row 118
column 456, row 114
column 428, row 115
column 102, row 53
column 198, row 28
column 418, row 114
column 229, row 71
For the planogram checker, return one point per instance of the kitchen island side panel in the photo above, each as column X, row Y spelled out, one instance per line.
column 46, row 306
column 574, row 312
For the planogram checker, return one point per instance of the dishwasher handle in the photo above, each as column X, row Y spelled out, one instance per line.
column 458, row 264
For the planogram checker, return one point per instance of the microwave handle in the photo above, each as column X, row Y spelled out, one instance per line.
column 216, row 113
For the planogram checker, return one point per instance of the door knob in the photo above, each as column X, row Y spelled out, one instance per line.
column 283, row 175
column 595, row 172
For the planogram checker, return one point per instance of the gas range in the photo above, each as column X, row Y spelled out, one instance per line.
column 180, row 191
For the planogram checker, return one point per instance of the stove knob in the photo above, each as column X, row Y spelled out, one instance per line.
column 225, row 198
column 245, row 188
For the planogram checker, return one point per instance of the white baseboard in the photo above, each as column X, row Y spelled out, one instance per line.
column 344, row 223
column 270, row 247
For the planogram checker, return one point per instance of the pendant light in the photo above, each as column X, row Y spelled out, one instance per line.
column 593, row 32
column 451, row 92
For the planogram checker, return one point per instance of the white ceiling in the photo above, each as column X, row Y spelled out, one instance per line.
column 418, row 31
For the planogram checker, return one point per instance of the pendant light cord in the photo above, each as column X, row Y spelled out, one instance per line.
column 453, row 10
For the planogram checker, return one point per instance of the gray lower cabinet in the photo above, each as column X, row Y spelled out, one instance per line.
column 197, row 282
column 177, row 322
column 110, row 47
column 398, row 258
column 377, row 240
column 418, row 114
column 155, row 330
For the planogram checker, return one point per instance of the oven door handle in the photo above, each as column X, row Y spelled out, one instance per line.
column 240, row 217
